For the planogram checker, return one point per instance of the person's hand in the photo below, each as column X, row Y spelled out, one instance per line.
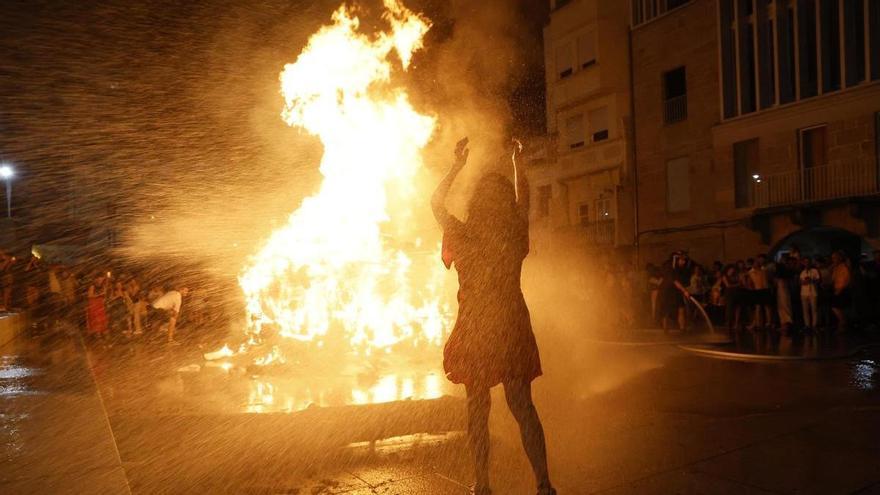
column 461, row 153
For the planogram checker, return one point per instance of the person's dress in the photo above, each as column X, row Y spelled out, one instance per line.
column 492, row 340
column 96, row 316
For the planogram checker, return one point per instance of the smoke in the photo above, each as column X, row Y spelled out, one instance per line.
column 230, row 171
column 482, row 56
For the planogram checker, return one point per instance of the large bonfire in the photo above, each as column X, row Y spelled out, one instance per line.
column 346, row 267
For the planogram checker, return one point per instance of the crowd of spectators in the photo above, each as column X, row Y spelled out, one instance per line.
column 106, row 306
column 790, row 293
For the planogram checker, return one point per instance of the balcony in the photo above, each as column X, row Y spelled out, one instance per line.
column 600, row 233
column 675, row 109
column 826, row 182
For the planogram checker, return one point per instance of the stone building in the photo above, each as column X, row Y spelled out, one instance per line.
column 756, row 125
column 581, row 194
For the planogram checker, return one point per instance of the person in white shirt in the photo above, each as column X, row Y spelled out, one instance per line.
column 810, row 279
column 166, row 310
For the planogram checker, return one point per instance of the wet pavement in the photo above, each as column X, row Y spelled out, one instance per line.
column 772, row 345
column 619, row 419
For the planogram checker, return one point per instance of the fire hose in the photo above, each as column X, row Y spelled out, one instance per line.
column 699, row 306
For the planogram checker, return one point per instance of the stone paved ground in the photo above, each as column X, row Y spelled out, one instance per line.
column 619, row 419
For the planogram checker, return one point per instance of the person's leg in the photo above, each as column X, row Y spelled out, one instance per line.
column 519, row 400
column 654, row 294
column 841, row 318
column 757, row 317
column 478, row 404
column 805, row 309
column 814, row 310
column 682, row 318
column 172, row 323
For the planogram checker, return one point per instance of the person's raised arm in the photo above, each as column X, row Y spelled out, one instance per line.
column 438, row 200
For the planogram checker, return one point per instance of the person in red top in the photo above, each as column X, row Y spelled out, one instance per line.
column 492, row 341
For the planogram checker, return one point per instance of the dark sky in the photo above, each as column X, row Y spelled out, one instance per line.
column 102, row 97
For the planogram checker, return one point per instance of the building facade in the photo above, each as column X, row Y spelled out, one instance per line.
column 582, row 193
column 756, row 126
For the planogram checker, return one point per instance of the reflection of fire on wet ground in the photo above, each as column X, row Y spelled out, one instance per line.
column 297, row 377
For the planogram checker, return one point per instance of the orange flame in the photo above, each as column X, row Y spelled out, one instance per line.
column 332, row 266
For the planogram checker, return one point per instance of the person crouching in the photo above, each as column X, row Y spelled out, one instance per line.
column 164, row 311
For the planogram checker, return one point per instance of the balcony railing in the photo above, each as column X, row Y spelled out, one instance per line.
column 600, row 233
column 841, row 180
column 675, row 109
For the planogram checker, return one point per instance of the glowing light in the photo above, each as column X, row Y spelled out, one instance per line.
column 6, row 171
column 221, row 353
column 332, row 270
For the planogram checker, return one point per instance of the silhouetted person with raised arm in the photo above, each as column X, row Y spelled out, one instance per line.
column 492, row 341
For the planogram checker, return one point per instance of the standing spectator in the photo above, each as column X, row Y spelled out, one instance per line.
column 825, row 291
column 627, row 301
column 118, row 309
column 841, row 279
column 698, row 288
column 655, row 279
column 96, row 314
column 7, row 280
column 760, row 295
column 809, row 281
column 732, row 291
column 68, row 287
column 138, row 311
column 784, row 274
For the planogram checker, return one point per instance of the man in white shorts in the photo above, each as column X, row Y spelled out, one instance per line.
column 166, row 310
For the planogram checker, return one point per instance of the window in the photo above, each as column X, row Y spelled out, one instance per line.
column 766, row 52
column 745, row 168
column 747, row 85
column 829, row 31
column 785, row 55
column 877, row 138
column 584, row 214
column 728, row 59
column 807, row 50
column 780, row 51
column 854, row 51
column 586, row 49
column 544, row 193
column 812, row 147
column 675, row 95
column 645, row 10
column 599, row 124
column 678, row 185
column 874, row 36
column 564, row 57
column 574, row 131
